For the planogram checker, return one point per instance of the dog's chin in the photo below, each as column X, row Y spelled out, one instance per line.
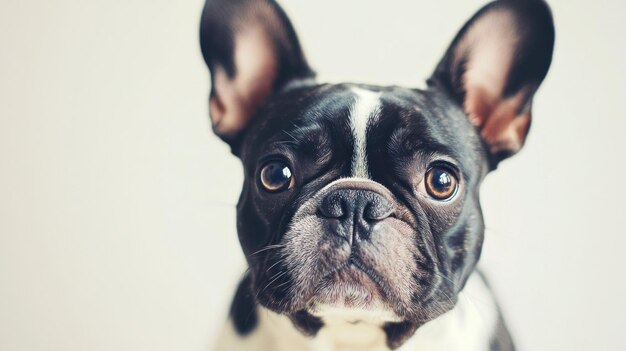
column 352, row 292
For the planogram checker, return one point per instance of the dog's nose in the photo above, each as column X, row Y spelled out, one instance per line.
column 354, row 211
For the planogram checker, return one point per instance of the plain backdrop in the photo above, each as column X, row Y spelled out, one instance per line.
column 117, row 227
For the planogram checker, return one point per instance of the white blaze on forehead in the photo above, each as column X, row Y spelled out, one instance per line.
column 362, row 114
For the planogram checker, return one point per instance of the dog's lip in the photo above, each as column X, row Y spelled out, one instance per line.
column 354, row 263
column 370, row 273
column 350, row 285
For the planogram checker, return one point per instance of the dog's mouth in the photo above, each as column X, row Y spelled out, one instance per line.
column 350, row 285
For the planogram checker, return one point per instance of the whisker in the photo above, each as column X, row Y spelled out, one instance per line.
column 281, row 284
column 274, row 265
column 270, row 283
column 454, row 284
column 273, row 280
column 291, row 135
column 268, row 247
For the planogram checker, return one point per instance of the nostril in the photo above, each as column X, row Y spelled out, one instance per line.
column 377, row 209
column 333, row 206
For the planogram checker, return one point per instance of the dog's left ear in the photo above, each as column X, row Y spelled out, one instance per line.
column 252, row 51
column 494, row 67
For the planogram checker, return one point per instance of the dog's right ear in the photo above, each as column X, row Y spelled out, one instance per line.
column 252, row 51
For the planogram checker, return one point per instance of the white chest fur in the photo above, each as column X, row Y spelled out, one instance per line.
column 467, row 327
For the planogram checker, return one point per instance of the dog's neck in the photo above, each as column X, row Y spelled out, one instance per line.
column 468, row 327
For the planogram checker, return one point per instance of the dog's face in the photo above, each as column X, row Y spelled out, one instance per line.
column 362, row 197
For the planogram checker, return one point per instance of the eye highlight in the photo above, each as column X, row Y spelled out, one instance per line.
column 441, row 183
column 276, row 176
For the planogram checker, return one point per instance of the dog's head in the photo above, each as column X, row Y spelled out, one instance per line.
column 365, row 197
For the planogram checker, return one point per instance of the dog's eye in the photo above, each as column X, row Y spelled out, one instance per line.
column 441, row 183
column 276, row 176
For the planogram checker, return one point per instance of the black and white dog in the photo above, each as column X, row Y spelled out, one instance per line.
column 359, row 215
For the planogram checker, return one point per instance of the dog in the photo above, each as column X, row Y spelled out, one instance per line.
column 359, row 215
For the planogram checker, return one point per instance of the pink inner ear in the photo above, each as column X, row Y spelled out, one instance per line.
column 237, row 99
column 489, row 47
column 504, row 126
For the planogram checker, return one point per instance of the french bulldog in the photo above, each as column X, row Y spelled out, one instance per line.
column 359, row 215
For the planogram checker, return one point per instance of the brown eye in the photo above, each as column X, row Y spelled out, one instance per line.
column 276, row 176
column 441, row 183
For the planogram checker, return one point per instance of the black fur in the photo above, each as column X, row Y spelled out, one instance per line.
column 243, row 310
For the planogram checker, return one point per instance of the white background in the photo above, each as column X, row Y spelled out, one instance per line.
column 117, row 203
